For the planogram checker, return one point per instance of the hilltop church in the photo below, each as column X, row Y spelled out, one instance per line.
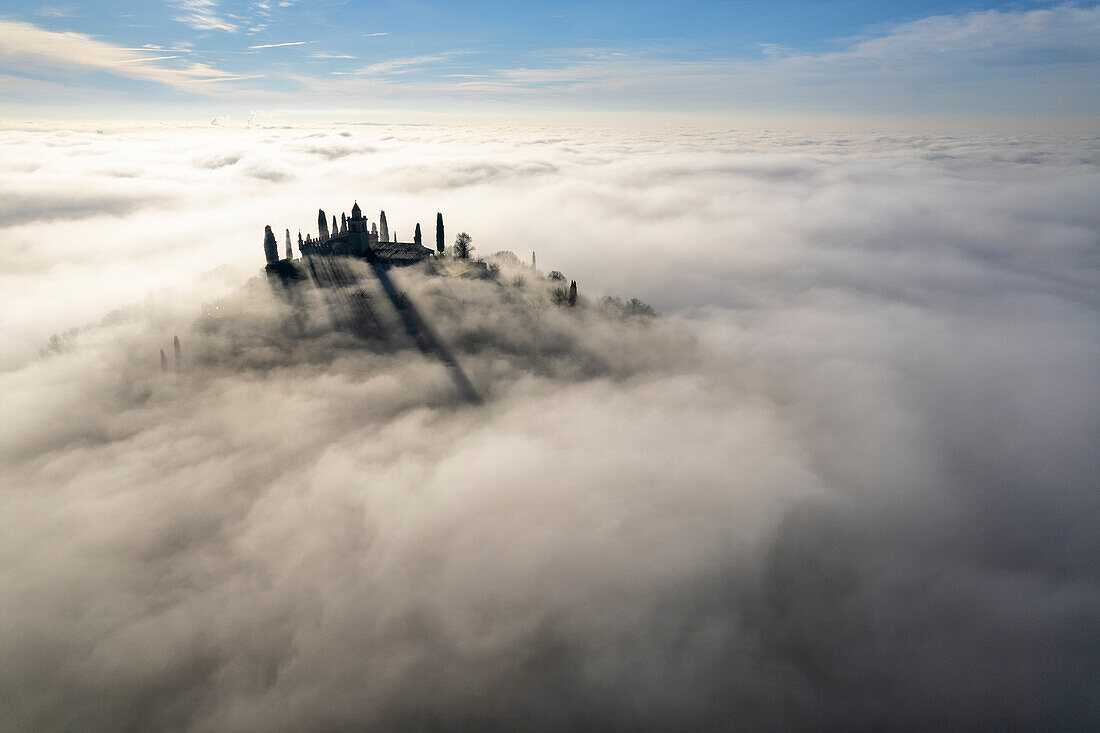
column 350, row 238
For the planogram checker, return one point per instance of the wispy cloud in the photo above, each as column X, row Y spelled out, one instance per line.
column 203, row 15
column 280, row 45
column 991, row 63
column 147, row 47
column 154, row 58
column 26, row 47
column 371, row 35
column 56, row 11
column 399, row 66
column 229, row 77
column 1023, row 61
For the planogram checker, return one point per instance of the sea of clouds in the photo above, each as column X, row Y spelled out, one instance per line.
column 847, row 481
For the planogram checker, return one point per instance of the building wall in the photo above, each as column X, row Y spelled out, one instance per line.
column 366, row 244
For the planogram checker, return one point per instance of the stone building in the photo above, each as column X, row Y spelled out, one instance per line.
column 356, row 239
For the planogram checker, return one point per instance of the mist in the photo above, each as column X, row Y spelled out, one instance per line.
column 846, row 480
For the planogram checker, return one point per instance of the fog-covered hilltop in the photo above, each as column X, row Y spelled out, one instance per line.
column 504, row 321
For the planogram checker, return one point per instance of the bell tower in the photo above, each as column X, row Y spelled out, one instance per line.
column 357, row 223
column 359, row 239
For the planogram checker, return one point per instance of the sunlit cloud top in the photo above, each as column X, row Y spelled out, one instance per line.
column 766, row 58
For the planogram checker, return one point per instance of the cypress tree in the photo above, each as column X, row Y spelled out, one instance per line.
column 179, row 353
column 289, row 251
column 439, row 233
column 417, row 239
column 383, row 228
column 271, row 248
column 573, row 292
column 322, row 225
column 335, row 229
column 163, row 361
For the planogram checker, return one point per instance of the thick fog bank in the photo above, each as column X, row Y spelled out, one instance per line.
column 847, row 481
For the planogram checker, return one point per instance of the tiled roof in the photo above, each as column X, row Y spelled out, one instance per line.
column 400, row 251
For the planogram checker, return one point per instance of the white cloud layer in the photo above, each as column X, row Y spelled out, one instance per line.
column 848, row 482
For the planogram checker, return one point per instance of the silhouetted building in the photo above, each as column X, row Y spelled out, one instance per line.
column 354, row 239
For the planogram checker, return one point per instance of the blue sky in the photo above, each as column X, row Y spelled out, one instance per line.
column 780, row 58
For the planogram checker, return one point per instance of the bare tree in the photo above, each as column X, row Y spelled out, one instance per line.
column 463, row 248
column 538, row 303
